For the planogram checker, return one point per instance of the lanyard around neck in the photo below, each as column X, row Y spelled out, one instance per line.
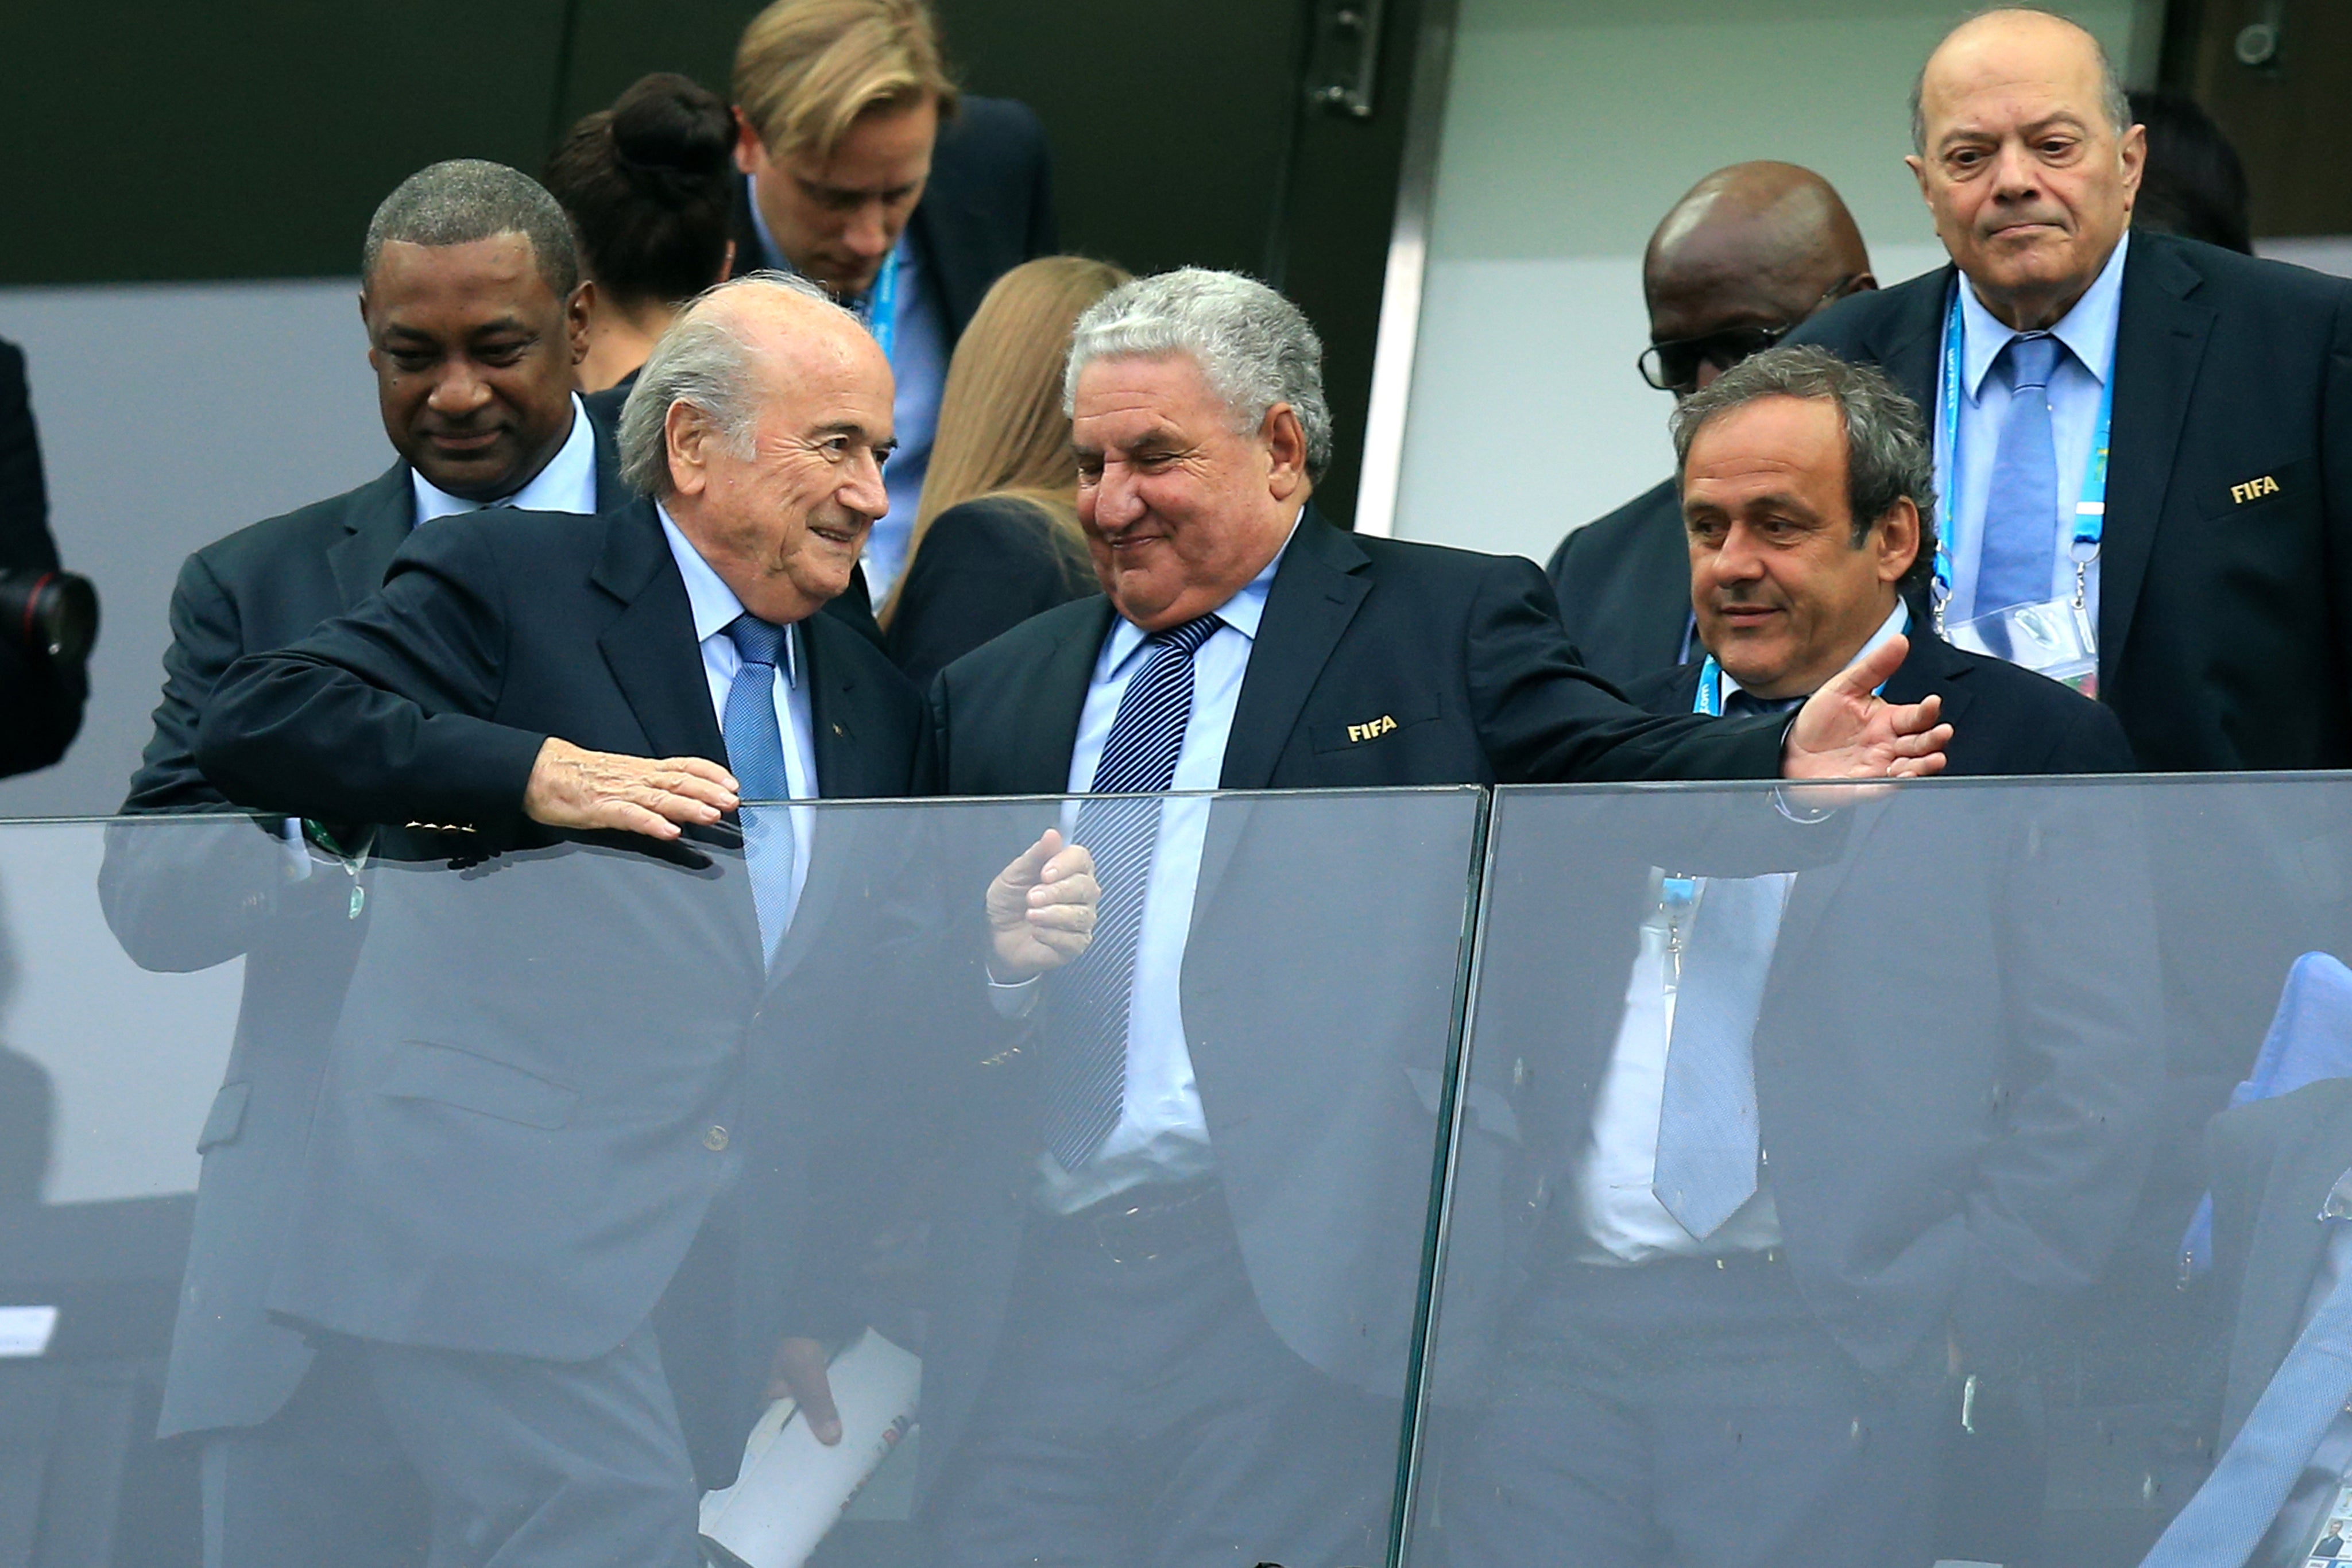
column 2089, row 508
column 881, row 311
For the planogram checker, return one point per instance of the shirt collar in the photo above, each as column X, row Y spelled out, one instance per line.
column 1243, row 612
column 568, row 483
column 2088, row 329
column 1897, row 621
column 714, row 603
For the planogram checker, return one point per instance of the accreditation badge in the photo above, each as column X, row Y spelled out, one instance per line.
column 2054, row 638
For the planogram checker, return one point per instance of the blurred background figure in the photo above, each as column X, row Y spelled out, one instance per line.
column 2193, row 184
column 648, row 187
column 1745, row 256
column 996, row 537
column 865, row 171
column 50, row 615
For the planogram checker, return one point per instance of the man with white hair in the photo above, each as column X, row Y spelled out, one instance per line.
column 511, row 1168
column 1156, row 1382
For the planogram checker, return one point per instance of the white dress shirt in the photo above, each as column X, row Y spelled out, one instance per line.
column 568, row 483
column 1619, row 1216
column 1161, row 1134
column 715, row 609
column 2076, row 384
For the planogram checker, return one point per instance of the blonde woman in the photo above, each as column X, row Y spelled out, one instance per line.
column 996, row 535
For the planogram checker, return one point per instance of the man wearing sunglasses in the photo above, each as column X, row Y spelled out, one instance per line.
column 1750, row 252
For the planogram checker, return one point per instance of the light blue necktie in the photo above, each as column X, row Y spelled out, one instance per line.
column 755, row 755
column 1707, row 1119
column 2020, row 516
column 1085, row 1070
column 2226, row 1520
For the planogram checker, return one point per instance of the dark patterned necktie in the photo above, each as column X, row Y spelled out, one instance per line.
column 1085, row 1069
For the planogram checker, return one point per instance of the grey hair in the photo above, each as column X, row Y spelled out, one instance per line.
column 1887, row 458
column 1255, row 347
column 2113, row 101
column 464, row 200
column 702, row 359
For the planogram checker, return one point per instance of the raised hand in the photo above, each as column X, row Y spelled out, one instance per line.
column 1041, row 909
column 1845, row 731
column 573, row 788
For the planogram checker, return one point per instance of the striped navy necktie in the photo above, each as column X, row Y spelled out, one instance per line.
column 1085, row 1072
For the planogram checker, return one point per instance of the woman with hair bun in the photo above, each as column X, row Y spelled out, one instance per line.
column 649, row 185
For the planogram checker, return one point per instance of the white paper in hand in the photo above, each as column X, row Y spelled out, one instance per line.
column 792, row 1488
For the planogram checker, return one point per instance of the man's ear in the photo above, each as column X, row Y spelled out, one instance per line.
column 1286, row 445
column 575, row 317
column 750, row 152
column 1897, row 534
column 686, row 436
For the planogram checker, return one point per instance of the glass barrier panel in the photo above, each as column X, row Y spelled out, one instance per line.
column 877, row 1184
column 1832, row 1184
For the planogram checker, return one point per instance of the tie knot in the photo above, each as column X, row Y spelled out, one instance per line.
column 2031, row 360
column 758, row 642
column 1741, row 703
column 1190, row 635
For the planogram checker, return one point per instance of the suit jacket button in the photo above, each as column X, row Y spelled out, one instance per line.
column 715, row 1140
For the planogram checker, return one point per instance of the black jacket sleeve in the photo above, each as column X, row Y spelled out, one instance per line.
column 381, row 716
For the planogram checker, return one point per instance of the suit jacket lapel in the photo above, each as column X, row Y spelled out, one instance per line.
column 844, row 771
column 1314, row 594
column 1045, row 731
column 650, row 644
column 612, row 495
column 378, row 523
column 1927, row 667
column 2160, row 333
column 1913, row 351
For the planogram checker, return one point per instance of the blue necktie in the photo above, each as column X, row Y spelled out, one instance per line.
column 2226, row 1520
column 2021, row 517
column 1707, row 1119
column 1086, row 1072
column 755, row 755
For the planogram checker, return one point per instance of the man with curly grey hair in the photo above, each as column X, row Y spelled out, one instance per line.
column 1242, row 643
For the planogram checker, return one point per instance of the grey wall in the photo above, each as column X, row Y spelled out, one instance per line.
column 169, row 415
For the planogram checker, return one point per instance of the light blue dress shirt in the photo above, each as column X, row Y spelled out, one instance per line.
column 715, row 609
column 568, row 483
column 918, row 365
column 1161, row 1134
column 1618, row 1215
column 2088, row 332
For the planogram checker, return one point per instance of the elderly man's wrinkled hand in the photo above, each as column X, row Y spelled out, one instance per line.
column 1041, row 910
column 573, row 788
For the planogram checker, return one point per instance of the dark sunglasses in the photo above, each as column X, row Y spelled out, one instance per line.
column 1674, row 365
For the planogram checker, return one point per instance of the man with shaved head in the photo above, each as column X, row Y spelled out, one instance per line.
column 2143, row 443
column 600, row 1140
column 1747, row 253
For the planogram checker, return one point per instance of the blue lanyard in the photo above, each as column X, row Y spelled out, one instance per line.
column 2090, row 509
column 881, row 312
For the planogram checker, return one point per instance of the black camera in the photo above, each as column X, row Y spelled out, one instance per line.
column 53, row 614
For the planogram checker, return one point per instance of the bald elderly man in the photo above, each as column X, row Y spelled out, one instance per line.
column 1748, row 253
column 545, row 1192
column 2210, row 554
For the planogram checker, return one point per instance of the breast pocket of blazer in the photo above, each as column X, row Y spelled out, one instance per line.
column 420, row 1069
column 1377, row 728
column 2262, row 494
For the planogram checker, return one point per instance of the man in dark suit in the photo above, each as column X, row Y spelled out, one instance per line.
column 469, row 294
column 40, row 699
column 1748, row 253
column 1147, row 1297
column 512, row 1172
column 1766, row 1212
column 2215, row 584
column 865, row 170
